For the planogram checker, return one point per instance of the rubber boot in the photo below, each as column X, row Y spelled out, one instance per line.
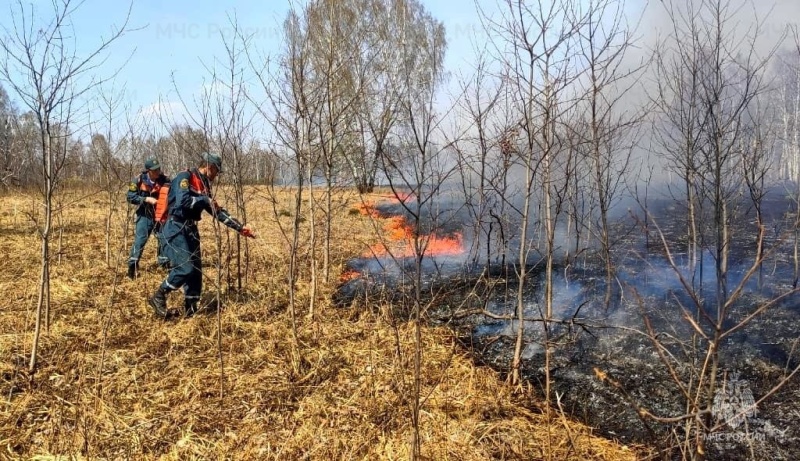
column 133, row 270
column 159, row 303
column 189, row 307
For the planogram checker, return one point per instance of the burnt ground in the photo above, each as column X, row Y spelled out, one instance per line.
column 758, row 355
column 613, row 341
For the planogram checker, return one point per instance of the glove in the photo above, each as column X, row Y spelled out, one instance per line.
column 247, row 232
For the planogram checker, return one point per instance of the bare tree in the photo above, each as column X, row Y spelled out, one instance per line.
column 678, row 132
column 10, row 161
column 710, row 79
column 44, row 69
column 233, row 128
column 105, row 148
column 605, row 136
column 485, row 148
column 419, row 167
column 536, row 48
column 288, row 100
column 788, row 102
column 338, row 51
column 756, row 145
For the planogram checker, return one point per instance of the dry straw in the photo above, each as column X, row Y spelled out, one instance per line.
column 115, row 383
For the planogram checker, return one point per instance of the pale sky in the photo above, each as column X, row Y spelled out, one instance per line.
column 172, row 39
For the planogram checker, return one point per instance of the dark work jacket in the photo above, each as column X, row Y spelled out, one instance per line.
column 190, row 195
column 142, row 187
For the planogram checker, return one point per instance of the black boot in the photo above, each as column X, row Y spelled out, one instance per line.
column 133, row 270
column 189, row 307
column 159, row 303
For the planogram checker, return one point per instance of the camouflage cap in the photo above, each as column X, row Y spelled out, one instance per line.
column 213, row 159
column 152, row 164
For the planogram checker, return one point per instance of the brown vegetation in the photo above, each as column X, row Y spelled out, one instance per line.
column 114, row 382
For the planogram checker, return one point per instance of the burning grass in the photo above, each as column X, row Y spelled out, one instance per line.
column 399, row 242
column 114, row 382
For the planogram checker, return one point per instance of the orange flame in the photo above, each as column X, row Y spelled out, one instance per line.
column 397, row 229
column 400, row 243
column 349, row 275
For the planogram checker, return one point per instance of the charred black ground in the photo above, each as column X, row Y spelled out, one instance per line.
column 593, row 338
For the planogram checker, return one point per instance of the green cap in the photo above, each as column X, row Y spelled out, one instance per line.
column 152, row 164
column 213, row 159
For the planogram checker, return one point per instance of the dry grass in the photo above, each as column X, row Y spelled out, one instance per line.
column 115, row 383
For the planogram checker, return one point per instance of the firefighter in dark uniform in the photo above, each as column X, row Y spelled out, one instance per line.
column 189, row 195
column 143, row 192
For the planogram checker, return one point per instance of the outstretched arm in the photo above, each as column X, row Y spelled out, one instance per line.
column 225, row 218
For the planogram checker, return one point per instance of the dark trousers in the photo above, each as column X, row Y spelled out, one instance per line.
column 182, row 246
column 143, row 227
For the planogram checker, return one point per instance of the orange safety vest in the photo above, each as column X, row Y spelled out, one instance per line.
column 161, row 213
column 162, row 203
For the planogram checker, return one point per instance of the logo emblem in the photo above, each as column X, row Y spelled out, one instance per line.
column 184, row 183
column 132, row 187
column 734, row 402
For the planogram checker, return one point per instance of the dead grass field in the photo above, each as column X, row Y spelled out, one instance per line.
column 116, row 383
